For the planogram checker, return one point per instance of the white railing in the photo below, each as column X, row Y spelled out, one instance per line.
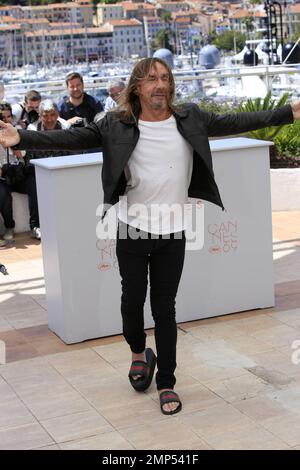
column 277, row 79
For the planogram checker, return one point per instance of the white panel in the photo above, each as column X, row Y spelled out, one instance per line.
column 233, row 272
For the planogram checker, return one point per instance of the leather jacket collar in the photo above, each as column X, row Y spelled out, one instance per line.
column 178, row 113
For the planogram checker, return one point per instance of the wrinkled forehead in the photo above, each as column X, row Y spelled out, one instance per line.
column 49, row 113
column 157, row 69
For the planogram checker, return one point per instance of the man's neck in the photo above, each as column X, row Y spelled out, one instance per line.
column 155, row 114
column 76, row 101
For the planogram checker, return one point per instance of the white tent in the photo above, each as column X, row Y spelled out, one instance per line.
column 263, row 56
column 240, row 56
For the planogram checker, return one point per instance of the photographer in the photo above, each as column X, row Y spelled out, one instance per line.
column 11, row 172
column 78, row 104
column 48, row 120
column 115, row 89
column 28, row 112
column 19, row 178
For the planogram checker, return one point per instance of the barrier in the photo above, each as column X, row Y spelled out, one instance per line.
column 232, row 273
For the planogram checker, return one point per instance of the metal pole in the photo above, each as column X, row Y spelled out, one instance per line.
column 281, row 24
column 269, row 31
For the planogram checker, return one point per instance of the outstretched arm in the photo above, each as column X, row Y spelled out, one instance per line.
column 71, row 139
column 236, row 123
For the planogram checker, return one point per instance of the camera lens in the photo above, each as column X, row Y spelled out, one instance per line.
column 32, row 116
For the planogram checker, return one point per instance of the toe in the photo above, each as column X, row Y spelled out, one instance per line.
column 170, row 406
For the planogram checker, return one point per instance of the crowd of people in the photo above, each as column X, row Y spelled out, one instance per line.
column 17, row 173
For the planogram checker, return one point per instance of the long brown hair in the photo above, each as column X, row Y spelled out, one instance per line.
column 129, row 103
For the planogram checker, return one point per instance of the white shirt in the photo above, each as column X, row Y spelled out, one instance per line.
column 34, row 125
column 110, row 104
column 158, row 176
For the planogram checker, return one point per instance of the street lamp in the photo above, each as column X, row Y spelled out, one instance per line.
column 273, row 11
column 190, row 45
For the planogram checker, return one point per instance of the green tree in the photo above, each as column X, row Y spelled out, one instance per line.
column 40, row 2
column 248, row 21
column 260, row 104
column 296, row 33
column 166, row 17
column 165, row 37
column 110, row 2
column 255, row 2
column 226, row 39
column 162, row 39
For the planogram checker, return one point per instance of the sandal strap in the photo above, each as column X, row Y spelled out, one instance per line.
column 168, row 397
column 138, row 368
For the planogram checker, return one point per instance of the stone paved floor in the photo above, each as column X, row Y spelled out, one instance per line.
column 239, row 387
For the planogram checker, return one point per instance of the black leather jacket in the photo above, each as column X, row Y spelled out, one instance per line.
column 118, row 138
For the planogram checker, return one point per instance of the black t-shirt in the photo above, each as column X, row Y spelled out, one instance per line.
column 86, row 110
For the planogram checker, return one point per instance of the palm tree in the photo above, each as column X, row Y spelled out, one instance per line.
column 165, row 36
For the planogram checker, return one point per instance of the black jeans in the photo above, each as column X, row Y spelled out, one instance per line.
column 28, row 186
column 6, row 208
column 164, row 257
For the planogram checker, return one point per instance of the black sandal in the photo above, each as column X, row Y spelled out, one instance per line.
column 169, row 396
column 144, row 369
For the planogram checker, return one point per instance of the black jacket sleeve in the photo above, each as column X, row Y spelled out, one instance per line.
column 225, row 124
column 89, row 137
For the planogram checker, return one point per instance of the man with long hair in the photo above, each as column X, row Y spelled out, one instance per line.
column 155, row 155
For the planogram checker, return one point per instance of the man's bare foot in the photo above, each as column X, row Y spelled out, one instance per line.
column 138, row 357
column 169, row 407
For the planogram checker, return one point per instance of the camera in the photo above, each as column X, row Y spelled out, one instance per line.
column 80, row 122
column 30, row 117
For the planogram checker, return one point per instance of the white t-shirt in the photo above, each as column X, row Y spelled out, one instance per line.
column 158, row 176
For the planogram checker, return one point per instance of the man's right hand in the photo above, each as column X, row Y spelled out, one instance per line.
column 73, row 119
column 9, row 136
